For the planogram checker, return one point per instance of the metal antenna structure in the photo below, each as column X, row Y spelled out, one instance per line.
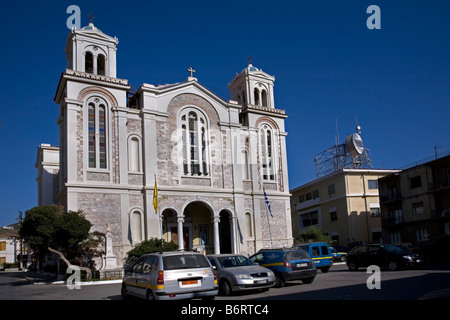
column 350, row 155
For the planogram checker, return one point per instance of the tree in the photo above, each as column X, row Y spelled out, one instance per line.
column 38, row 228
column 151, row 245
column 312, row 234
column 72, row 228
column 50, row 226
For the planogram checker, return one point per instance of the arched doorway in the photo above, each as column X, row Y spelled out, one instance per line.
column 225, row 232
column 196, row 224
column 171, row 229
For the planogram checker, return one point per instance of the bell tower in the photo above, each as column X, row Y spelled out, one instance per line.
column 90, row 50
column 253, row 87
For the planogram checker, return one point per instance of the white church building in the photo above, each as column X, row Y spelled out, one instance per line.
column 212, row 159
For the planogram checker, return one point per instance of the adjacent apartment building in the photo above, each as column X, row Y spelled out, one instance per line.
column 344, row 205
column 415, row 202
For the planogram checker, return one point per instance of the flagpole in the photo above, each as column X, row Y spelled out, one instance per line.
column 268, row 224
column 160, row 224
column 157, row 209
column 266, row 201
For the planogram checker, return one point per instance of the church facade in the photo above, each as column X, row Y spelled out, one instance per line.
column 214, row 163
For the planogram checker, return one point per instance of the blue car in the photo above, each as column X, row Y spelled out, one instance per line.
column 320, row 253
column 287, row 264
column 338, row 255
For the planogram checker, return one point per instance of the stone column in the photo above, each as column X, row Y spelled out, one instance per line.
column 73, row 108
column 180, row 221
column 94, row 62
column 233, row 234
column 215, row 221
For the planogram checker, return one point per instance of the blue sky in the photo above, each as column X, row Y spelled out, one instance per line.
column 328, row 66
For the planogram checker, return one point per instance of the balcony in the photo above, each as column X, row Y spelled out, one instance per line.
column 388, row 222
column 439, row 184
column 444, row 213
column 307, row 204
column 391, row 197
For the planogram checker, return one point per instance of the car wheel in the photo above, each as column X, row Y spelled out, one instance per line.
column 343, row 258
column 150, row 295
column 124, row 292
column 308, row 280
column 325, row 270
column 392, row 265
column 225, row 288
column 279, row 281
column 352, row 266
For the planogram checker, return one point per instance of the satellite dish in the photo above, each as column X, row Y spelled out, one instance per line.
column 354, row 145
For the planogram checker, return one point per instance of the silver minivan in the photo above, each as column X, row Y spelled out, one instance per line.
column 170, row 276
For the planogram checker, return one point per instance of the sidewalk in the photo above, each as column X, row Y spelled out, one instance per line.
column 49, row 278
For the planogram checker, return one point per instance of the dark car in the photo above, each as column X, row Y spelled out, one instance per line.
column 387, row 256
column 287, row 264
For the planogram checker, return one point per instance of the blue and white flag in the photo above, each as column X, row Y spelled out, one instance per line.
column 267, row 202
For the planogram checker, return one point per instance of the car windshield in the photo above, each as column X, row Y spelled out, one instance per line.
column 234, row 261
column 297, row 254
column 185, row 261
column 392, row 248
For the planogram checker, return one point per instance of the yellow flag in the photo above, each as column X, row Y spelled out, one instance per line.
column 155, row 197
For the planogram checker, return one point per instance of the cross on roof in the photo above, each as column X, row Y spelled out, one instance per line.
column 191, row 71
column 91, row 17
column 249, row 59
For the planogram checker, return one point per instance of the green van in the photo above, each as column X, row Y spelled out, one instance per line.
column 320, row 253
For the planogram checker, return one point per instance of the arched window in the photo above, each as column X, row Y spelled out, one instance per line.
column 194, row 128
column 101, row 65
column 249, row 224
column 136, row 227
column 134, row 154
column 256, row 93
column 245, row 165
column 267, row 156
column 97, row 153
column 88, row 62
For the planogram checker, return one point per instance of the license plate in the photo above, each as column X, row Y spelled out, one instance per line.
column 299, row 265
column 260, row 281
column 317, row 261
column 189, row 282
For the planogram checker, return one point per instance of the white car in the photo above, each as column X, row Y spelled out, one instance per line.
column 170, row 276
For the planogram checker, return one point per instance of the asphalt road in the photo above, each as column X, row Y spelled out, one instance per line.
column 338, row 284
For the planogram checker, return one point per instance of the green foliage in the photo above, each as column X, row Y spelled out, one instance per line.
column 151, row 245
column 312, row 234
column 38, row 227
column 50, row 226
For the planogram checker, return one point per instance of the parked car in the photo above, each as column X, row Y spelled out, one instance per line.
column 287, row 264
column 170, row 276
column 320, row 253
column 338, row 255
column 237, row 273
column 387, row 256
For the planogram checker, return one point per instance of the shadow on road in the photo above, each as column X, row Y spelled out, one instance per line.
column 411, row 288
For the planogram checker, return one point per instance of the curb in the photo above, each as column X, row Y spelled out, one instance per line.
column 88, row 283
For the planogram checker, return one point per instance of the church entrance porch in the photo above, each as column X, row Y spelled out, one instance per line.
column 200, row 228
